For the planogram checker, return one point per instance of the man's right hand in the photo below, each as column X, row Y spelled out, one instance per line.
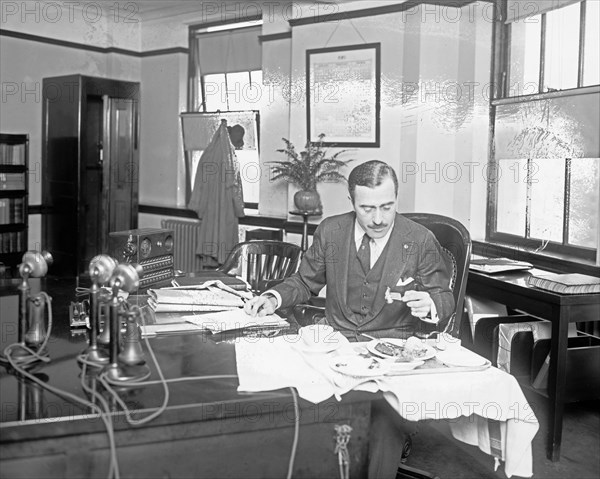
column 261, row 305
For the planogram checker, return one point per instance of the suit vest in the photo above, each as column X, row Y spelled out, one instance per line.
column 363, row 287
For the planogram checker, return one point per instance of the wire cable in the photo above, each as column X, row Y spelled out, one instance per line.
column 106, row 417
column 296, row 434
column 65, row 394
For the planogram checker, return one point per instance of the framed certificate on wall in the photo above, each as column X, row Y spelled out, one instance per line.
column 343, row 95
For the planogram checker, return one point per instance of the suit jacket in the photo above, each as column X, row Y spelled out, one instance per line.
column 413, row 251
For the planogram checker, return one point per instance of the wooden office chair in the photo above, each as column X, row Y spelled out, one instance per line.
column 260, row 262
column 455, row 241
column 456, row 244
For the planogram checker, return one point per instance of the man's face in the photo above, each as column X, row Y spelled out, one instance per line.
column 375, row 208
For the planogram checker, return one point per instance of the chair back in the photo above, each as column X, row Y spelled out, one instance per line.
column 260, row 261
column 455, row 241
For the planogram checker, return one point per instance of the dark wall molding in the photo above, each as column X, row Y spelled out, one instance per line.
column 167, row 211
column 91, row 48
column 249, row 220
column 371, row 12
column 274, row 36
column 165, row 51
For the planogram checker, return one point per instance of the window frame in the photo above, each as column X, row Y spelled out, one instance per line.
column 202, row 83
column 500, row 76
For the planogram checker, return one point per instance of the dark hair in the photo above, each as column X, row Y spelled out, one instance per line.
column 236, row 135
column 371, row 174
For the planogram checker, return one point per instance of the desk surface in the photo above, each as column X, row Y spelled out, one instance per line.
column 30, row 413
column 515, row 282
column 179, row 356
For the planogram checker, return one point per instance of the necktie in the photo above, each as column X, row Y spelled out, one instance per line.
column 364, row 253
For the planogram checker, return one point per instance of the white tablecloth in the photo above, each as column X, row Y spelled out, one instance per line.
column 469, row 400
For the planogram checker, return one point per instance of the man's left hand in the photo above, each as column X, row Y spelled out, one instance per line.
column 419, row 303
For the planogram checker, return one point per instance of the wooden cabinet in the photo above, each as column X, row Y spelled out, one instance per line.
column 14, row 179
column 90, row 160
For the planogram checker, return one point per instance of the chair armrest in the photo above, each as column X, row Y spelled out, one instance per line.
column 306, row 314
column 317, row 301
column 485, row 339
column 265, row 284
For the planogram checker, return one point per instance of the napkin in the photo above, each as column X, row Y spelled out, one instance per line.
column 290, row 365
column 468, row 400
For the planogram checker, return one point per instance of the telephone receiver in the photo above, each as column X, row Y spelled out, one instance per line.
column 32, row 329
column 34, row 337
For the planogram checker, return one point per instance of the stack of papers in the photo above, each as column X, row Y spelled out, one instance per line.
column 497, row 265
column 210, row 296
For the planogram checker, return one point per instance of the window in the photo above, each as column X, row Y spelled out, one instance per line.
column 231, row 91
column 226, row 76
column 545, row 190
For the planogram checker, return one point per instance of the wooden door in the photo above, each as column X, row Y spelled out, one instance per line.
column 92, row 182
column 120, row 166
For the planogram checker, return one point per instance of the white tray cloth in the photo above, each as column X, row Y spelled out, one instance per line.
column 468, row 399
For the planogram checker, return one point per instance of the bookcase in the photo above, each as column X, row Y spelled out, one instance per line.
column 14, row 179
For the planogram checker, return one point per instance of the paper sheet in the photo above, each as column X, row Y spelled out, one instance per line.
column 235, row 319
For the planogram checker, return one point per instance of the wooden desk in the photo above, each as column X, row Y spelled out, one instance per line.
column 512, row 290
column 208, row 429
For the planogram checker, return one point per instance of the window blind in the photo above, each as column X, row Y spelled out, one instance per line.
column 521, row 9
column 229, row 51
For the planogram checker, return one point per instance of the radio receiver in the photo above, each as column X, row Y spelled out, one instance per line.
column 151, row 248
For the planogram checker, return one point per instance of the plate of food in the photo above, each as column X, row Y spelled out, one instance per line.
column 359, row 366
column 401, row 350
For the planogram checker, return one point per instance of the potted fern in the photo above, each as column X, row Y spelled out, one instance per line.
column 306, row 169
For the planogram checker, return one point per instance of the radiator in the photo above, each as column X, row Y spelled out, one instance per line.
column 186, row 241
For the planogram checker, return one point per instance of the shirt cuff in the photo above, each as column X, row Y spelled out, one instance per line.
column 276, row 295
column 433, row 317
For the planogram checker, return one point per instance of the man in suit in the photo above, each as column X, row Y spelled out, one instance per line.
column 358, row 256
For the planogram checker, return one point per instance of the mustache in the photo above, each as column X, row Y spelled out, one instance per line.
column 382, row 225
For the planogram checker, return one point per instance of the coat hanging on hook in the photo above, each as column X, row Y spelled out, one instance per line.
column 217, row 198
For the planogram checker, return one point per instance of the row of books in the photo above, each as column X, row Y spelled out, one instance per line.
column 12, row 241
column 12, row 181
column 11, row 210
column 570, row 283
column 12, row 154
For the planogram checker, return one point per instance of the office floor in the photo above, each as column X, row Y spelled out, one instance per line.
column 434, row 449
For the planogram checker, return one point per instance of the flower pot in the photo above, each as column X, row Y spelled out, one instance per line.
column 308, row 200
